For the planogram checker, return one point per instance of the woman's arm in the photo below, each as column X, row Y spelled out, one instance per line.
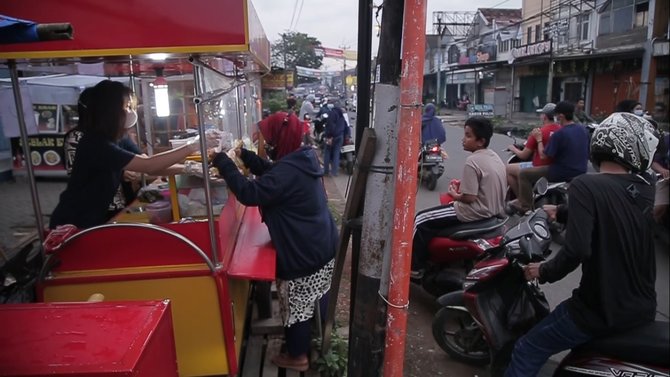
column 158, row 163
column 256, row 165
column 265, row 190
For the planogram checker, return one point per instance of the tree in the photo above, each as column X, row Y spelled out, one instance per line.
column 296, row 49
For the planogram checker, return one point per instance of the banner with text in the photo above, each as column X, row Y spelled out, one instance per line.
column 314, row 73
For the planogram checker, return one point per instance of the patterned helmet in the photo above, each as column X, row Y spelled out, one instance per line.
column 626, row 139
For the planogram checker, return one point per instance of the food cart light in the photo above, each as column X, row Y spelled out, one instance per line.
column 159, row 56
column 161, row 96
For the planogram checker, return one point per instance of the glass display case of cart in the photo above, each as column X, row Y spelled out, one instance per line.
column 230, row 111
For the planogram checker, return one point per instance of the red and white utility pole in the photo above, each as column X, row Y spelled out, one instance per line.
column 411, row 86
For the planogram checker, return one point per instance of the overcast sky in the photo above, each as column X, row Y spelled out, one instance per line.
column 334, row 22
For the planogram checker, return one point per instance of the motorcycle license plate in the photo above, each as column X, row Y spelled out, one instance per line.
column 348, row 148
column 433, row 158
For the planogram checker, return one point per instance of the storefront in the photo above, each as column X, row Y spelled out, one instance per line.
column 615, row 79
column 531, row 71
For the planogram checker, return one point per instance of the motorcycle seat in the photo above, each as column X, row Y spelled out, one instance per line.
column 480, row 228
column 648, row 344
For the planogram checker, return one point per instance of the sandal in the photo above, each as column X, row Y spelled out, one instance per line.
column 285, row 361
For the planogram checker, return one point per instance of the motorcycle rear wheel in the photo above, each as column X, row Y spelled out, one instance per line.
column 431, row 182
column 457, row 333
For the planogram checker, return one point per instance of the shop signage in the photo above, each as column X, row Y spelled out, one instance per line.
column 46, row 152
column 314, row 73
column 480, row 109
column 277, row 81
column 534, row 49
column 335, row 53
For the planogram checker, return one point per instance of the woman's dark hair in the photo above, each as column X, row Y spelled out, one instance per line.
column 105, row 109
column 626, row 106
column 83, row 108
column 482, row 128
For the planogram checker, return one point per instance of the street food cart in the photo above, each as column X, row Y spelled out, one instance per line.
column 205, row 264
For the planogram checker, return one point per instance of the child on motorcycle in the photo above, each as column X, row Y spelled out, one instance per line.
column 481, row 194
column 609, row 233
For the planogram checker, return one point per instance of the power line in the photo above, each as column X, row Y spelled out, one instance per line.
column 500, row 3
column 295, row 6
column 297, row 19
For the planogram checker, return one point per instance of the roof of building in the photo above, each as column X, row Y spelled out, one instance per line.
column 501, row 16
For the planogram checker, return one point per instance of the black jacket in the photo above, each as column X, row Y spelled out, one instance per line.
column 609, row 232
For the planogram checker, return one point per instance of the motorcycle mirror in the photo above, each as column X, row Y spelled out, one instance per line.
column 541, row 186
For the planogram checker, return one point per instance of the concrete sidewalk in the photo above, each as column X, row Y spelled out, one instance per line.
column 17, row 217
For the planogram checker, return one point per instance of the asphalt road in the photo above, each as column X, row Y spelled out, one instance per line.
column 422, row 307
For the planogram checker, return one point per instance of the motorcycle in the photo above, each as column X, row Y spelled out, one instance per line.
column 513, row 158
column 430, row 164
column 482, row 315
column 348, row 149
column 463, row 104
column 348, row 153
column 453, row 252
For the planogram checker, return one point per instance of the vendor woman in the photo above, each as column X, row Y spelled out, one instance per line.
column 100, row 162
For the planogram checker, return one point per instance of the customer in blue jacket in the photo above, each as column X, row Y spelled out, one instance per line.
column 336, row 127
column 431, row 126
column 293, row 203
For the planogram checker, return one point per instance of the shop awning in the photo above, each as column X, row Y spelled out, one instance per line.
column 634, row 52
column 476, row 66
column 545, row 59
column 138, row 30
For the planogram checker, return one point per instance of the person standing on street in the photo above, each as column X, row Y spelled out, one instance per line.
column 289, row 192
column 307, row 107
column 610, row 233
column 580, row 114
column 336, row 128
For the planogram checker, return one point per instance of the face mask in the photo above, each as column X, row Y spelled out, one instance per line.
column 638, row 112
column 330, row 106
column 131, row 118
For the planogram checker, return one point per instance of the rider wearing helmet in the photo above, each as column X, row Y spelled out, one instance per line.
column 609, row 232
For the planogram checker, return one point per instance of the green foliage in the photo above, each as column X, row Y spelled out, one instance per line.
column 275, row 101
column 334, row 363
column 295, row 48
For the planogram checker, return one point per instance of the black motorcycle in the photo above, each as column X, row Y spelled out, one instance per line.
column 430, row 164
column 481, row 323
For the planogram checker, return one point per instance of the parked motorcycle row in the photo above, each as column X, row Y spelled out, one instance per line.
column 480, row 322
